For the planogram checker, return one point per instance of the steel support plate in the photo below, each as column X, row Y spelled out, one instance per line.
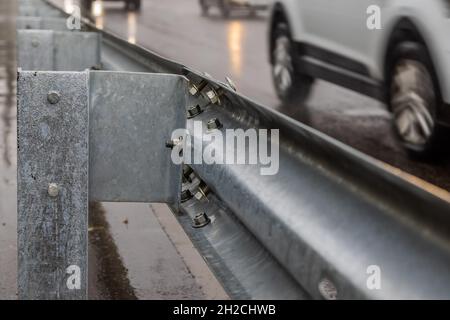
column 58, row 50
column 132, row 115
column 52, row 149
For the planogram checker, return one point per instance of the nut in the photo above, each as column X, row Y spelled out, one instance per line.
column 186, row 195
column 200, row 220
column 213, row 96
column 214, row 123
column 194, row 111
column 194, row 89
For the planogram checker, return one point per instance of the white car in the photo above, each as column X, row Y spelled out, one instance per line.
column 404, row 61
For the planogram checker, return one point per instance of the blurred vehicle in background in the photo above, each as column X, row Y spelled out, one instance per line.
column 405, row 63
column 227, row 6
column 129, row 4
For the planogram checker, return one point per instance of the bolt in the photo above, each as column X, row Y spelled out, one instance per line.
column 170, row 144
column 200, row 220
column 187, row 173
column 186, row 195
column 53, row 97
column 194, row 111
column 203, row 190
column 53, row 190
column 194, row 89
column 213, row 96
column 35, row 43
column 214, row 123
column 175, row 142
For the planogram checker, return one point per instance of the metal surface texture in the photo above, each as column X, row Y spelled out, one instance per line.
column 52, row 185
column 131, row 117
column 41, row 23
column 37, row 9
column 327, row 216
column 243, row 266
column 58, row 50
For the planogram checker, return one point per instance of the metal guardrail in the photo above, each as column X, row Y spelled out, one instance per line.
column 311, row 231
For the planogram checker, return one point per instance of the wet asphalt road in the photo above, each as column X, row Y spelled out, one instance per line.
column 237, row 48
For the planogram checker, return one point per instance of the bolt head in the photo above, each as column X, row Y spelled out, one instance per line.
column 186, row 195
column 53, row 190
column 193, row 90
column 214, row 124
column 35, row 43
column 212, row 96
column 194, row 111
column 53, row 97
column 200, row 220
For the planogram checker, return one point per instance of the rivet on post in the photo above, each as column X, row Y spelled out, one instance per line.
column 53, row 97
column 53, row 190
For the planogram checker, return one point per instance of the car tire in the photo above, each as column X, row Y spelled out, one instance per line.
column 414, row 98
column 225, row 9
column 133, row 5
column 292, row 87
column 204, row 7
column 88, row 5
column 137, row 5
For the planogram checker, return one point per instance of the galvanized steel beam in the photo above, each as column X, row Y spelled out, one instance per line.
column 58, row 50
column 87, row 136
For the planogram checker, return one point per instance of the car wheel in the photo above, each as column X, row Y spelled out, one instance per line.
column 224, row 7
column 291, row 86
column 88, row 5
column 133, row 5
column 414, row 97
column 204, row 7
column 137, row 5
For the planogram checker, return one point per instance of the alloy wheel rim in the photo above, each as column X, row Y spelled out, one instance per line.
column 283, row 67
column 412, row 99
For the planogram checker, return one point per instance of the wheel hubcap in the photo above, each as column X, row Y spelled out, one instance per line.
column 412, row 99
column 283, row 67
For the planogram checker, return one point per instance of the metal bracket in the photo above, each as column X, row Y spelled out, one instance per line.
column 92, row 135
column 58, row 50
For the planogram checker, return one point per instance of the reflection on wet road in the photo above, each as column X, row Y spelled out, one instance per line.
column 237, row 48
column 235, row 35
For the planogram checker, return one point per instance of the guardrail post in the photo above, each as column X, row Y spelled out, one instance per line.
column 52, row 185
column 115, row 127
